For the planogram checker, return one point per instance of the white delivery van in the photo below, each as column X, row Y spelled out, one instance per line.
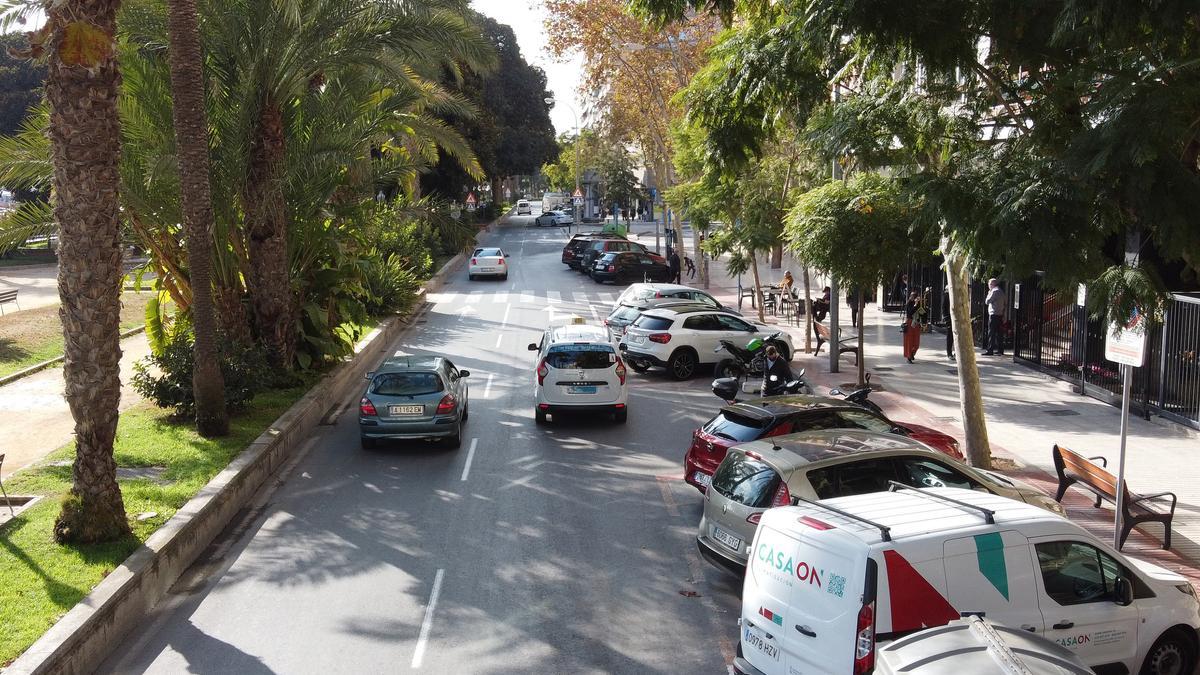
column 828, row 580
column 976, row 646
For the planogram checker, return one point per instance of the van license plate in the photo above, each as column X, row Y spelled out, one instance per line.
column 759, row 640
column 581, row 390
column 726, row 538
column 405, row 409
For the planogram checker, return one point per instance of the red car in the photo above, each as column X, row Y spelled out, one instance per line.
column 779, row 415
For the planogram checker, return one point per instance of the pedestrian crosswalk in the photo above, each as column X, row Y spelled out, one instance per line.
column 560, row 299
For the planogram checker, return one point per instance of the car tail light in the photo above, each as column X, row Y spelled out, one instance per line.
column 365, row 407
column 473, row 261
column 446, row 405
column 864, row 641
column 660, row 338
column 783, row 496
column 542, row 371
column 753, row 518
column 620, row 370
column 658, row 294
column 500, row 260
column 612, row 268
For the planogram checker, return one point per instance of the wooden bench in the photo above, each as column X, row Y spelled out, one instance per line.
column 824, row 335
column 1075, row 469
column 8, row 295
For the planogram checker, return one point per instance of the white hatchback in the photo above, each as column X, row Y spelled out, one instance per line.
column 487, row 262
column 578, row 371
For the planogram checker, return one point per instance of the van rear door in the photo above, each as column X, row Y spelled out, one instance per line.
column 805, row 587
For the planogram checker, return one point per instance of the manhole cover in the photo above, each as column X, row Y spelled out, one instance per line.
column 1061, row 413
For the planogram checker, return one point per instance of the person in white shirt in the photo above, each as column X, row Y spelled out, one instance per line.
column 997, row 305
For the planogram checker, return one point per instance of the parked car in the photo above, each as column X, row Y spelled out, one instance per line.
column 598, row 247
column 848, row 575
column 523, row 208
column 754, row 419
column 637, row 293
column 571, row 253
column 621, row 267
column 487, row 262
column 414, row 397
column 625, row 314
column 578, row 371
column 682, row 339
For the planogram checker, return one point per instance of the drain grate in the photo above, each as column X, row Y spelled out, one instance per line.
column 952, row 371
column 1061, row 412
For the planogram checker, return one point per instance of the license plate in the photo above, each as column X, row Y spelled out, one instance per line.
column 759, row 640
column 581, row 390
column 405, row 409
column 702, row 478
column 726, row 538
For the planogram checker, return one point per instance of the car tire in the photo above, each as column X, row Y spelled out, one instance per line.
column 454, row 442
column 539, row 416
column 682, row 365
column 621, row 416
column 466, row 412
column 366, row 442
column 1173, row 653
column 639, row 366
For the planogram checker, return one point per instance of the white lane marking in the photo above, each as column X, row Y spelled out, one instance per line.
column 504, row 321
column 553, row 297
column 427, row 623
column 475, row 297
column 527, row 297
column 498, row 339
column 580, row 298
column 446, row 298
column 608, row 297
column 470, row 457
column 501, row 296
column 488, row 387
column 595, row 317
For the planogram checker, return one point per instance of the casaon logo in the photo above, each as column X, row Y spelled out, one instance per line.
column 784, row 563
column 1074, row 640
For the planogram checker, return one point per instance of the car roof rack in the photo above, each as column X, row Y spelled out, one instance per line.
column 884, row 531
column 988, row 514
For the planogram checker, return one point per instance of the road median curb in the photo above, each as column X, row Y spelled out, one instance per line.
column 85, row 636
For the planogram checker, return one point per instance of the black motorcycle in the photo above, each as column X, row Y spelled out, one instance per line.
column 729, row 388
column 748, row 361
column 859, row 396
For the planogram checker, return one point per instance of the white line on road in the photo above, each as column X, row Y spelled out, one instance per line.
column 527, row 297
column 475, row 297
column 498, row 339
column 487, row 388
column 504, row 321
column 595, row 316
column 427, row 623
column 553, row 297
column 500, row 296
column 470, row 457
column 608, row 298
column 580, row 298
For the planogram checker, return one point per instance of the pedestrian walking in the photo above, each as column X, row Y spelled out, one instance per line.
column 856, row 302
column 997, row 306
column 949, row 315
column 673, row 263
column 912, row 329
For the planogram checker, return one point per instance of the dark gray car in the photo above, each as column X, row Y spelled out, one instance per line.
column 414, row 397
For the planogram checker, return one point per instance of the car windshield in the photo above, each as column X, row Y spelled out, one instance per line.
column 587, row 357
column 652, row 322
column 624, row 313
column 488, row 253
column 406, row 384
column 734, row 427
column 746, row 481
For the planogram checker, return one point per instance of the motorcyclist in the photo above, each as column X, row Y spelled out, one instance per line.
column 778, row 368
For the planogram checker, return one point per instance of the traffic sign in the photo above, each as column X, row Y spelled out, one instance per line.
column 578, row 200
column 471, row 199
column 578, row 194
column 1127, row 344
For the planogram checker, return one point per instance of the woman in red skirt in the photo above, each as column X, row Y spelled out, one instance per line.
column 912, row 329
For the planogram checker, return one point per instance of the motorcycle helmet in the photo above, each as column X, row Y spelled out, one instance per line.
column 754, row 344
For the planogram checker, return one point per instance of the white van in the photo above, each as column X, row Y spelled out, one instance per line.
column 829, row 579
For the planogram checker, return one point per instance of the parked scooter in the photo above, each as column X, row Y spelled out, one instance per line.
column 748, row 361
column 729, row 388
column 859, row 396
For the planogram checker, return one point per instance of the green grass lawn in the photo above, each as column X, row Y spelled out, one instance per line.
column 35, row 335
column 41, row 580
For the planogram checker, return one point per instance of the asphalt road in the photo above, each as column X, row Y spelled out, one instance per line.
column 559, row 549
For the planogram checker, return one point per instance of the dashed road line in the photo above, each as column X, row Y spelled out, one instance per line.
column 498, row 339
column 487, row 388
column 470, row 458
column 427, row 622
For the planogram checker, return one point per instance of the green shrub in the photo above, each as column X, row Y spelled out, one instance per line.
column 390, row 283
column 166, row 377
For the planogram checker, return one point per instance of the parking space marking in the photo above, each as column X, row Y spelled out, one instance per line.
column 427, row 622
column 664, row 486
column 470, row 458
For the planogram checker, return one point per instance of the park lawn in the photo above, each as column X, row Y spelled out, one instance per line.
column 41, row 580
column 35, row 335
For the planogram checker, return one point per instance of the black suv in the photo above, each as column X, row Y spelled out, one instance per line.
column 594, row 250
column 572, row 251
column 626, row 266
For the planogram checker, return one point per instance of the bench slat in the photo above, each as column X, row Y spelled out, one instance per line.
column 1074, row 468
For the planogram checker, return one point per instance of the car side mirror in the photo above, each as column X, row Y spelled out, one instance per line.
column 464, row 373
column 1122, row 592
column 370, row 375
column 532, row 347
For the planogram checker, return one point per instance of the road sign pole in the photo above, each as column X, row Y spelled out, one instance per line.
column 1126, row 386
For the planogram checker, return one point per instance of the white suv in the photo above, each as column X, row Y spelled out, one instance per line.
column 578, row 370
column 523, row 208
column 681, row 338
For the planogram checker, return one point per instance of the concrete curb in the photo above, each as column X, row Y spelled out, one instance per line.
column 83, row 638
column 38, row 367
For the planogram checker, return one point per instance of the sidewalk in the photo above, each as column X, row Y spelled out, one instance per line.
column 37, row 286
column 1027, row 413
column 34, row 417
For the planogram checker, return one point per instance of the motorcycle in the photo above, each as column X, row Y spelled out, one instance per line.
column 747, row 361
column 728, row 388
column 859, row 396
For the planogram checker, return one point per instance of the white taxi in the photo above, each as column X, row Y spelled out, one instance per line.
column 578, row 370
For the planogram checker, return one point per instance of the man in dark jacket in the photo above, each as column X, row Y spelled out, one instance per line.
column 777, row 367
column 673, row 262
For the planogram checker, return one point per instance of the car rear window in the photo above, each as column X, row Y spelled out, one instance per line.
column 734, row 427
column 652, row 322
column 406, row 384
column 746, row 480
column 488, row 252
column 624, row 313
column 587, row 357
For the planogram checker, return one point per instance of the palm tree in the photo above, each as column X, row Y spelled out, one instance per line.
column 82, row 84
column 191, row 142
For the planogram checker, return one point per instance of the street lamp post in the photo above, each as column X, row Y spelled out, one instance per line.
column 574, row 206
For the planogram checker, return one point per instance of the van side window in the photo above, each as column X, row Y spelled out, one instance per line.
column 1075, row 573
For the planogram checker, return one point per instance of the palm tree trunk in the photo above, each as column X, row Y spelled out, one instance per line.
column 970, row 390
column 191, row 142
column 82, row 84
column 266, row 224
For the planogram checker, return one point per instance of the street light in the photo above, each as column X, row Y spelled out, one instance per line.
column 574, row 206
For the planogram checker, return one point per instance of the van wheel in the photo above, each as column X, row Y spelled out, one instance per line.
column 682, row 364
column 539, row 416
column 1172, row 654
